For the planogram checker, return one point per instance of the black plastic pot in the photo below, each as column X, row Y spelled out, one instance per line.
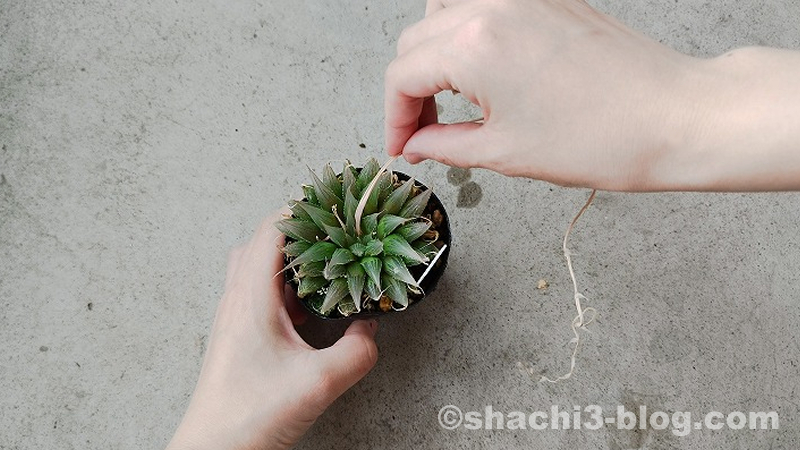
column 428, row 285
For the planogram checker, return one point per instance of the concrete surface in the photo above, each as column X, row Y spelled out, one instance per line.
column 141, row 140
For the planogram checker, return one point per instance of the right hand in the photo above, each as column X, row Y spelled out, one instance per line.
column 569, row 95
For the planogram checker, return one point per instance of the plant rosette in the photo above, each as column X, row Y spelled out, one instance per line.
column 357, row 245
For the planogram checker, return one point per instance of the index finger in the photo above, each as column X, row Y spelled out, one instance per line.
column 262, row 259
column 410, row 79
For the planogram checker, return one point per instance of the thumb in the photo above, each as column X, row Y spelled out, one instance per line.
column 459, row 145
column 350, row 358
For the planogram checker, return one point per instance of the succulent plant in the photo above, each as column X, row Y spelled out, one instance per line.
column 343, row 258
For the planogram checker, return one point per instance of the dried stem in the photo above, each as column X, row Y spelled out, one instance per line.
column 365, row 195
column 579, row 321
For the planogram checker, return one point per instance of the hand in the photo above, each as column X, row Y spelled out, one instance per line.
column 261, row 386
column 568, row 95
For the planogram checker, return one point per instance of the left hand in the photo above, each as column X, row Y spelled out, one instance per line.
column 261, row 384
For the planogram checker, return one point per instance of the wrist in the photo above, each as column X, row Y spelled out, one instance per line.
column 734, row 125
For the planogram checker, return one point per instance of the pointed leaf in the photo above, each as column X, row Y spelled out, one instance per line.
column 369, row 224
column 367, row 173
column 301, row 230
column 384, row 186
column 358, row 249
column 374, row 248
column 327, row 197
column 350, row 206
column 412, row 231
column 395, row 290
column 415, row 206
column 389, row 223
column 310, row 285
column 333, row 271
column 341, row 256
column 356, row 277
column 320, row 251
column 339, row 237
column 298, row 212
column 336, row 291
column 425, row 248
column 347, row 307
column 372, row 266
column 349, row 180
column 331, row 180
column 311, row 270
column 372, row 289
column 398, row 198
column 394, row 244
column 319, row 216
column 396, row 268
column 311, row 196
column 295, row 248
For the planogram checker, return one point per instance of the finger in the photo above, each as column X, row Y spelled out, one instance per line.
column 432, row 6
column 410, row 79
column 350, row 358
column 261, row 260
column 234, row 261
column 264, row 247
column 459, row 145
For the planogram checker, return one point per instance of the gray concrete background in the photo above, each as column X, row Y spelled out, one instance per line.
column 141, row 140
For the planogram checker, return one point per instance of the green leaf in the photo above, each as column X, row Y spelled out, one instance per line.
column 425, row 248
column 336, row 291
column 369, row 224
column 374, row 248
column 349, row 180
column 298, row 212
column 295, row 248
column 327, row 197
column 412, row 231
column 319, row 216
column 384, row 186
column 367, row 173
column 396, row 268
column 372, row 289
column 311, row 196
column 395, row 290
column 347, row 307
column 333, row 271
column 310, row 285
column 320, row 251
column 389, row 223
column 372, row 266
column 341, row 256
column 350, row 206
column 356, row 277
column 358, row 249
column 397, row 199
column 301, row 230
column 331, row 180
column 415, row 206
column 395, row 245
column 339, row 237
column 311, row 270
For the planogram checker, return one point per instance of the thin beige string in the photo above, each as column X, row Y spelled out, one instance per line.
column 579, row 322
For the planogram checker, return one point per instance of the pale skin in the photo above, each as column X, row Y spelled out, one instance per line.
column 261, row 386
column 572, row 96
column 569, row 96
